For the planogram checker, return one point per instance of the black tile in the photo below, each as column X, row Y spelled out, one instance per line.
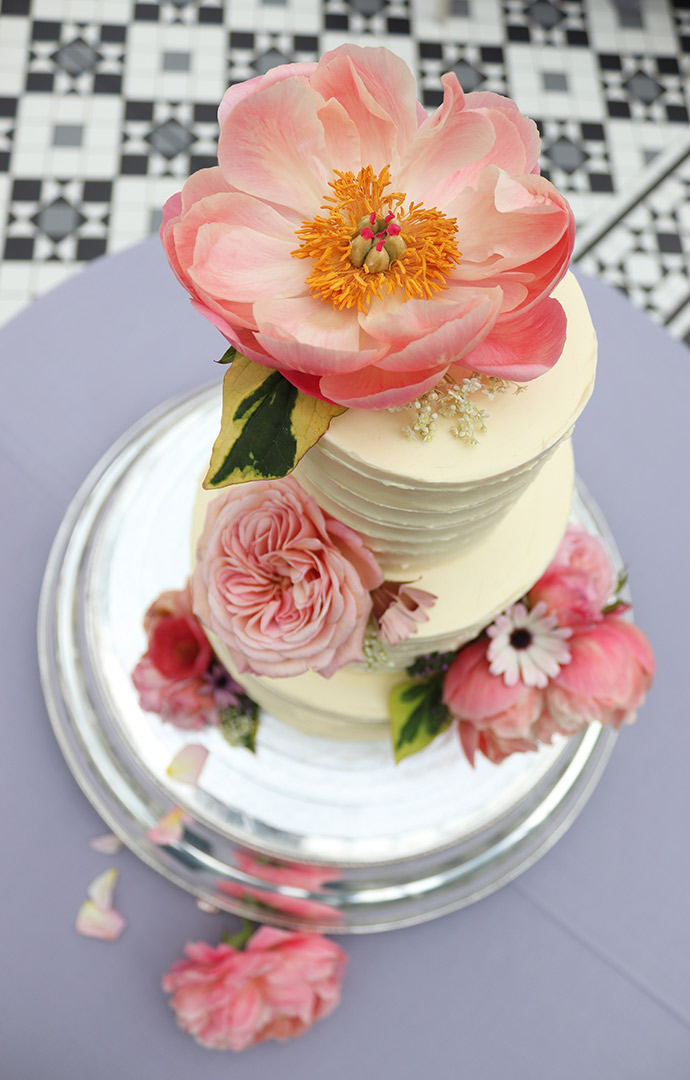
column 90, row 247
column 113, row 33
column 107, row 84
column 432, row 98
column 518, row 33
column 669, row 243
column 430, row 50
column 210, row 15
column 8, row 106
column 398, row 26
column 26, row 190
column 39, row 81
column 134, row 164
column 240, row 40
column 577, row 38
column 667, row 65
column 15, row 7
column 45, row 31
column 4, row 161
column 491, row 54
column 202, row 161
column 595, row 132
column 610, row 62
column 600, row 182
column 306, row 43
column 677, row 114
column 139, row 110
column 685, row 43
column 97, row 191
column 618, row 109
column 336, row 22
column 146, row 12
column 19, row 247
column 205, row 114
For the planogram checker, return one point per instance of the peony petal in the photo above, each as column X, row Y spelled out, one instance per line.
column 375, row 388
column 234, row 94
column 103, row 923
column 522, row 346
column 170, row 828
column 101, row 889
column 106, row 844
column 243, row 264
column 272, row 146
column 187, row 765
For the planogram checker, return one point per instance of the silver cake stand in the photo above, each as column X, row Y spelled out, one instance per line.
column 307, row 832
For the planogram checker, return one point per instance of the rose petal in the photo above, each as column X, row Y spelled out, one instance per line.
column 170, row 828
column 102, row 888
column 187, row 765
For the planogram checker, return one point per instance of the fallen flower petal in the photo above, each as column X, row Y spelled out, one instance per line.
column 102, row 888
column 187, row 765
column 107, row 844
column 104, row 923
column 170, row 828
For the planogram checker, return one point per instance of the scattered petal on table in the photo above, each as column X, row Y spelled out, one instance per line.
column 170, row 828
column 187, row 765
column 101, row 889
column 107, row 844
column 104, row 923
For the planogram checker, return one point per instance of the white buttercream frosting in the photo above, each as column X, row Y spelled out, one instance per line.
column 474, row 525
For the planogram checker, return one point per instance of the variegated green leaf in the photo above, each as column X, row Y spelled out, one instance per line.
column 266, row 427
column 417, row 716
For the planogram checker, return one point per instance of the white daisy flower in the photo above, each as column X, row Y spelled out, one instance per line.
column 527, row 645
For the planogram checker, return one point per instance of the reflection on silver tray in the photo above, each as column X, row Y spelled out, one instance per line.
column 308, row 832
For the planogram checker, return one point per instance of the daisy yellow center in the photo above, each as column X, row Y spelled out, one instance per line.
column 370, row 245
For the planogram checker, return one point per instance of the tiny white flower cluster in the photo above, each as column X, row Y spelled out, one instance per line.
column 376, row 654
column 451, row 399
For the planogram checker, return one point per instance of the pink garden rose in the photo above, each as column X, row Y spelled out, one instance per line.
column 231, row 999
column 362, row 248
column 579, row 582
column 611, row 668
column 171, row 677
column 284, row 586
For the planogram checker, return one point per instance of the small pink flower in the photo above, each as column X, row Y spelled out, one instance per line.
column 611, row 669
column 399, row 608
column 579, row 582
column 231, row 999
column 172, row 676
column 283, row 585
column 484, row 701
column 266, row 242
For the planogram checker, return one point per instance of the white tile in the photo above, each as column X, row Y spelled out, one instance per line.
column 14, row 40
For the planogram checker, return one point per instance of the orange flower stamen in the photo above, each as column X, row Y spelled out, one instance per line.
column 412, row 251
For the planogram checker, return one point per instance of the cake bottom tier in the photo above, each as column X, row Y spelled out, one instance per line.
column 472, row 588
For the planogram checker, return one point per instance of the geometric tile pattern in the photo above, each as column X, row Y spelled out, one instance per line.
column 106, row 108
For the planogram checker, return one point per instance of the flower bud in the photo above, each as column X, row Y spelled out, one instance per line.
column 359, row 247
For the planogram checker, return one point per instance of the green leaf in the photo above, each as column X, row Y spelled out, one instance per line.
column 240, row 939
column 229, row 356
column 239, row 726
column 266, row 427
column 417, row 715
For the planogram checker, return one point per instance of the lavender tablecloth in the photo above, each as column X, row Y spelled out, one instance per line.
column 578, row 969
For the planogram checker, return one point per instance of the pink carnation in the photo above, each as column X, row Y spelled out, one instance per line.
column 579, row 582
column 283, row 585
column 269, row 243
column 492, row 716
column 611, row 668
column 274, row 989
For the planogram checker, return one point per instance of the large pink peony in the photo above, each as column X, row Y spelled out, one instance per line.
column 361, row 247
column 283, row 585
column 276, row 988
column 611, row 668
column 494, row 718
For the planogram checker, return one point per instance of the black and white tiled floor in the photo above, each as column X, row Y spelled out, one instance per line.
column 105, row 108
